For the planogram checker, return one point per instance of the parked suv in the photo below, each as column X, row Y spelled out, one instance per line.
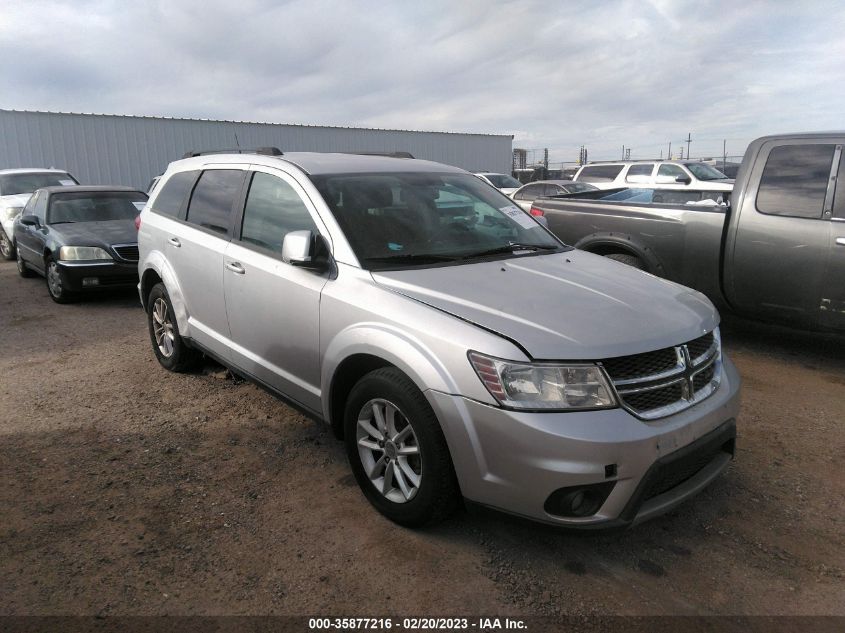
column 457, row 346
column 665, row 174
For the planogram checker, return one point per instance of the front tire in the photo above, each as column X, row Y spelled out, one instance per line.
column 56, row 284
column 170, row 348
column 7, row 249
column 397, row 451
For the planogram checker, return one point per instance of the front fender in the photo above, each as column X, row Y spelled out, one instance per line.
column 392, row 344
column 156, row 262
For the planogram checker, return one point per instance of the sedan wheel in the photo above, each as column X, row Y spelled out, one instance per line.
column 7, row 249
column 55, row 283
column 389, row 450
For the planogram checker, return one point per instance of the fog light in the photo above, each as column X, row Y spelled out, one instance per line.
column 91, row 281
column 578, row 501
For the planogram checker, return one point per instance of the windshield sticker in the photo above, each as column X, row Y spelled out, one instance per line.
column 519, row 216
column 394, row 246
column 139, row 204
column 66, row 183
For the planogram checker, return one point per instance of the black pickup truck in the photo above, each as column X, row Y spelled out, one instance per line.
column 775, row 251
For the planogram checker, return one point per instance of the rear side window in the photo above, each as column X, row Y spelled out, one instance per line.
column 639, row 173
column 214, row 198
column 599, row 173
column 173, row 193
column 273, row 209
column 670, row 171
column 794, row 181
column 529, row 192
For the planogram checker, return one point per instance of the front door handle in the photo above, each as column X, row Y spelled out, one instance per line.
column 175, row 242
column 840, row 241
column 235, row 267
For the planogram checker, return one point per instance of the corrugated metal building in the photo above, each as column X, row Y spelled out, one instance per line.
column 130, row 150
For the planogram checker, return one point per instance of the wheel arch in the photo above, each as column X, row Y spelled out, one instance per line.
column 609, row 243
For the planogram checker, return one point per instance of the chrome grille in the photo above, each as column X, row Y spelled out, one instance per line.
column 126, row 252
column 656, row 384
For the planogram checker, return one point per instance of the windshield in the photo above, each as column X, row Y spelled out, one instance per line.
column 704, row 172
column 501, row 181
column 11, row 184
column 400, row 220
column 95, row 206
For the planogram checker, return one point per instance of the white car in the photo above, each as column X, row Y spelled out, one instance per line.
column 504, row 183
column 16, row 187
column 649, row 174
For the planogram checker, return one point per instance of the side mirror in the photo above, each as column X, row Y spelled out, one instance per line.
column 684, row 180
column 30, row 220
column 305, row 250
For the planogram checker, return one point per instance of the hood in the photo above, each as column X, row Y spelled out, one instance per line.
column 564, row 306
column 15, row 200
column 97, row 233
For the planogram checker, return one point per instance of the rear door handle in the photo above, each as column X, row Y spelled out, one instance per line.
column 235, row 267
column 840, row 241
column 175, row 242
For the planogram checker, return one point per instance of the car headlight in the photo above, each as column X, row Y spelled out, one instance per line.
column 546, row 386
column 82, row 252
column 10, row 213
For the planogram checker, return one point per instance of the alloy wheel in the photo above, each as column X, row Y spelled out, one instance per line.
column 5, row 245
column 163, row 328
column 389, row 450
column 54, row 279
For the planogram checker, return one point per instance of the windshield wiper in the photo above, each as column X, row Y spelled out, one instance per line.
column 413, row 257
column 63, row 222
column 510, row 248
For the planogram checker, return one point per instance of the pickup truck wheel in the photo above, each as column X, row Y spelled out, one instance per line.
column 397, row 450
column 7, row 249
column 23, row 269
column 625, row 258
column 169, row 347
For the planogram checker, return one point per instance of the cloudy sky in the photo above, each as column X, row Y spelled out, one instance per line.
column 639, row 73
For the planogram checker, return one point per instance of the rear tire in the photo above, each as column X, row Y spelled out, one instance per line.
column 23, row 269
column 171, row 350
column 630, row 260
column 7, row 249
column 407, row 475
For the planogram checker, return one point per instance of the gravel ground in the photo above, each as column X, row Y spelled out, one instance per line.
column 130, row 490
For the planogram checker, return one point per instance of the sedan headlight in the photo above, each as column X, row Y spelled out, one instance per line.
column 543, row 385
column 82, row 253
column 10, row 213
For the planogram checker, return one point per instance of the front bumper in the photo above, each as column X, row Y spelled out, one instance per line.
column 78, row 276
column 514, row 461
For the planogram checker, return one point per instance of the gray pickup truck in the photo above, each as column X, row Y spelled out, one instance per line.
column 775, row 251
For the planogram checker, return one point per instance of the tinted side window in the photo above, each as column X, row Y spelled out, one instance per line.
column 839, row 198
column 794, row 181
column 529, row 192
column 39, row 208
column 672, row 171
column 173, row 193
column 213, row 199
column 273, row 209
column 600, row 173
column 639, row 173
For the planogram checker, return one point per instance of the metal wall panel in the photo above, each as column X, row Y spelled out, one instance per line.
column 127, row 150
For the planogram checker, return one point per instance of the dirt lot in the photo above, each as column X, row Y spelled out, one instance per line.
column 129, row 490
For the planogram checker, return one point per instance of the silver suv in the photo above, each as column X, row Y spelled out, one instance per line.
column 458, row 347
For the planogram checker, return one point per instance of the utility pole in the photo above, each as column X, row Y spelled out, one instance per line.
column 669, row 155
column 689, row 140
column 623, row 152
column 724, row 152
column 546, row 158
column 628, row 154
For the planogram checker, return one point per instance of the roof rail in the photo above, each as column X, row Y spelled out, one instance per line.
column 388, row 154
column 265, row 151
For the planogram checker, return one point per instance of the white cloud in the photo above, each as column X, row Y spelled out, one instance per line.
column 557, row 76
